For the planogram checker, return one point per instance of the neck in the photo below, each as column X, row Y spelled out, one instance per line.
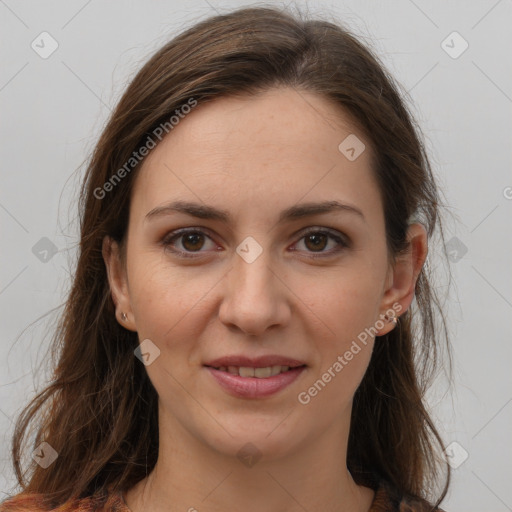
column 191, row 476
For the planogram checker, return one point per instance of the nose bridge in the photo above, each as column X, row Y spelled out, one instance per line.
column 251, row 278
column 253, row 298
column 251, row 266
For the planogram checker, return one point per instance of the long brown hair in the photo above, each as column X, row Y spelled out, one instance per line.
column 100, row 410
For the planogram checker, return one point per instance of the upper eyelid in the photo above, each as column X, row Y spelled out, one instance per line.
column 334, row 233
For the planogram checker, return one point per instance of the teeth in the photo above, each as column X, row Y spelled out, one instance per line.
column 263, row 373
column 244, row 371
column 259, row 373
column 276, row 370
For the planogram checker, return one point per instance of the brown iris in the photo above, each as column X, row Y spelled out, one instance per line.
column 196, row 241
column 318, row 240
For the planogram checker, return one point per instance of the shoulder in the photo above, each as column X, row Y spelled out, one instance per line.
column 387, row 499
column 23, row 503
column 102, row 502
column 408, row 504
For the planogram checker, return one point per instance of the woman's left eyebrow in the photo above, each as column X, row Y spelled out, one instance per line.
column 203, row 211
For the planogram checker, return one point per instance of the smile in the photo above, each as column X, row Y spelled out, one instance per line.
column 259, row 373
column 248, row 382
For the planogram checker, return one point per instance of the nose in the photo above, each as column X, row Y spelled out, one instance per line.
column 255, row 297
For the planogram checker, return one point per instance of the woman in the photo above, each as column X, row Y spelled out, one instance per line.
column 239, row 334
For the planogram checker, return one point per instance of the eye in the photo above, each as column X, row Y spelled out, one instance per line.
column 317, row 239
column 192, row 241
column 187, row 241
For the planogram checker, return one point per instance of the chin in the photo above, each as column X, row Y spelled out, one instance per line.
column 263, row 438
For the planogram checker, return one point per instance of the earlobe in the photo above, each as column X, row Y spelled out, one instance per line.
column 116, row 275
column 399, row 294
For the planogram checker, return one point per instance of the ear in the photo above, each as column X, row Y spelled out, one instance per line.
column 118, row 281
column 402, row 277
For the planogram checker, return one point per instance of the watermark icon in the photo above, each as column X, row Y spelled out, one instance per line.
column 147, row 352
column 137, row 156
column 45, row 455
column 455, row 455
column 249, row 249
column 507, row 192
column 352, row 147
column 304, row 397
column 44, row 45
column 455, row 249
column 44, row 249
column 249, row 455
column 454, row 45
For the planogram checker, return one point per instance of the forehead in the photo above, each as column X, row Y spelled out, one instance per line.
column 274, row 147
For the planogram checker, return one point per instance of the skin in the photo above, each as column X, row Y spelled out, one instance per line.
column 254, row 157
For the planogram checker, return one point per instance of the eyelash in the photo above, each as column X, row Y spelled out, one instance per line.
column 174, row 235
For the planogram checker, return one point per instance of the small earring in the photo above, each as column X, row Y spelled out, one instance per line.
column 124, row 317
column 393, row 319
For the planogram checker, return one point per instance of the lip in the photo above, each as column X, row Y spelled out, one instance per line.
column 255, row 362
column 253, row 387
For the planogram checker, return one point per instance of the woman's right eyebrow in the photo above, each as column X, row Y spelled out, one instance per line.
column 203, row 211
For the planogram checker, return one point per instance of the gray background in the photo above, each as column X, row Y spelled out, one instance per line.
column 53, row 109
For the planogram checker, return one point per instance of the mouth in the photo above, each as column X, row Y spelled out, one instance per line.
column 242, row 377
column 259, row 373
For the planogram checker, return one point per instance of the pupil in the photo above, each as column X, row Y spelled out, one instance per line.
column 194, row 238
column 316, row 237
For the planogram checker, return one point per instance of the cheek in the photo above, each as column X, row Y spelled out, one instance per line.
column 163, row 299
column 348, row 304
column 348, row 310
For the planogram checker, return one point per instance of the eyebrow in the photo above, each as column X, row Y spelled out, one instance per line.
column 203, row 211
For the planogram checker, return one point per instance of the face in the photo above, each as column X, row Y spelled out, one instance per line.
column 261, row 276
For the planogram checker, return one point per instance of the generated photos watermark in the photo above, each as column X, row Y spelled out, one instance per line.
column 137, row 156
column 304, row 397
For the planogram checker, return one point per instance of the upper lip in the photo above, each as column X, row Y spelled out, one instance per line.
column 254, row 362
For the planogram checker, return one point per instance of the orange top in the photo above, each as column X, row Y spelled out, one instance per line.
column 385, row 500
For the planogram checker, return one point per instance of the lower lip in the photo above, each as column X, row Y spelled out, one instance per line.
column 253, row 387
